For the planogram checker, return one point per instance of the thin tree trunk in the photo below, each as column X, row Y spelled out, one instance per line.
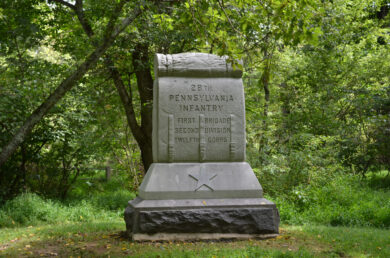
column 283, row 95
column 126, row 100
column 108, row 173
column 145, row 88
column 265, row 77
column 110, row 34
column 143, row 133
column 23, row 166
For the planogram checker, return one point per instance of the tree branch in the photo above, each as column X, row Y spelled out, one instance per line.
column 113, row 31
column 222, row 5
column 62, row 2
column 126, row 100
column 83, row 21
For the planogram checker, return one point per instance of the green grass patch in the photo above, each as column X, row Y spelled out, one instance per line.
column 359, row 242
column 101, row 238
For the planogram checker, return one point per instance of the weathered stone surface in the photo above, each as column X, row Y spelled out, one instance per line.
column 234, row 220
column 238, row 215
column 166, row 204
column 200, row 180
column 180, row 237
column 129, row 218
column 197, row 119
column 194, row 65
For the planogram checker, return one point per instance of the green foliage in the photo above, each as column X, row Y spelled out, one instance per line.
column 305, row 160
column 115, row 201
column 39, row 45
column 30, row 209
column 327, row 115
column 348, row 202
column 342, row 201
column 26, row 209
column 99, row 200
column 111, row 196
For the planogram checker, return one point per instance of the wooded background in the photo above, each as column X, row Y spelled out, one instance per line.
column 76, row 86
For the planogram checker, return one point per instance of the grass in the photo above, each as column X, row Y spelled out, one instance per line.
column 103, row 239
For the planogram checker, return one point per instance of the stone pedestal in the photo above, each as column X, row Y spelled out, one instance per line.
column 199, row 186
column 206, row 198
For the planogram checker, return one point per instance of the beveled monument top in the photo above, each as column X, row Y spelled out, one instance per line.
column 198, row 109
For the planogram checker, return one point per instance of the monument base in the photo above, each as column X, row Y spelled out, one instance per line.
column 198, row 236
column 201, row 219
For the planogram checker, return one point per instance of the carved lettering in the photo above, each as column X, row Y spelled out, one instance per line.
column 217, row 139
column 187, row 139
column 200, row 108
column 200, row 97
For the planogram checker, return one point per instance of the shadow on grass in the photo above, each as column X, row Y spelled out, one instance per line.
column 380, row 181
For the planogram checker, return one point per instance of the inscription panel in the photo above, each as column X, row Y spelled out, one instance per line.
column 202, row 119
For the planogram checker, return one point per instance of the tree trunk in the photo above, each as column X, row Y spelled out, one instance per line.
column 145, row 88
column 127, row 101
column 108, row 173
column 284, row 98
column 265, row 77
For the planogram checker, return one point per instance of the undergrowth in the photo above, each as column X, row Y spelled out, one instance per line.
column 99, row 200
column 346, row 200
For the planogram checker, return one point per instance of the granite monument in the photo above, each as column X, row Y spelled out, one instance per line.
column 199, row 186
